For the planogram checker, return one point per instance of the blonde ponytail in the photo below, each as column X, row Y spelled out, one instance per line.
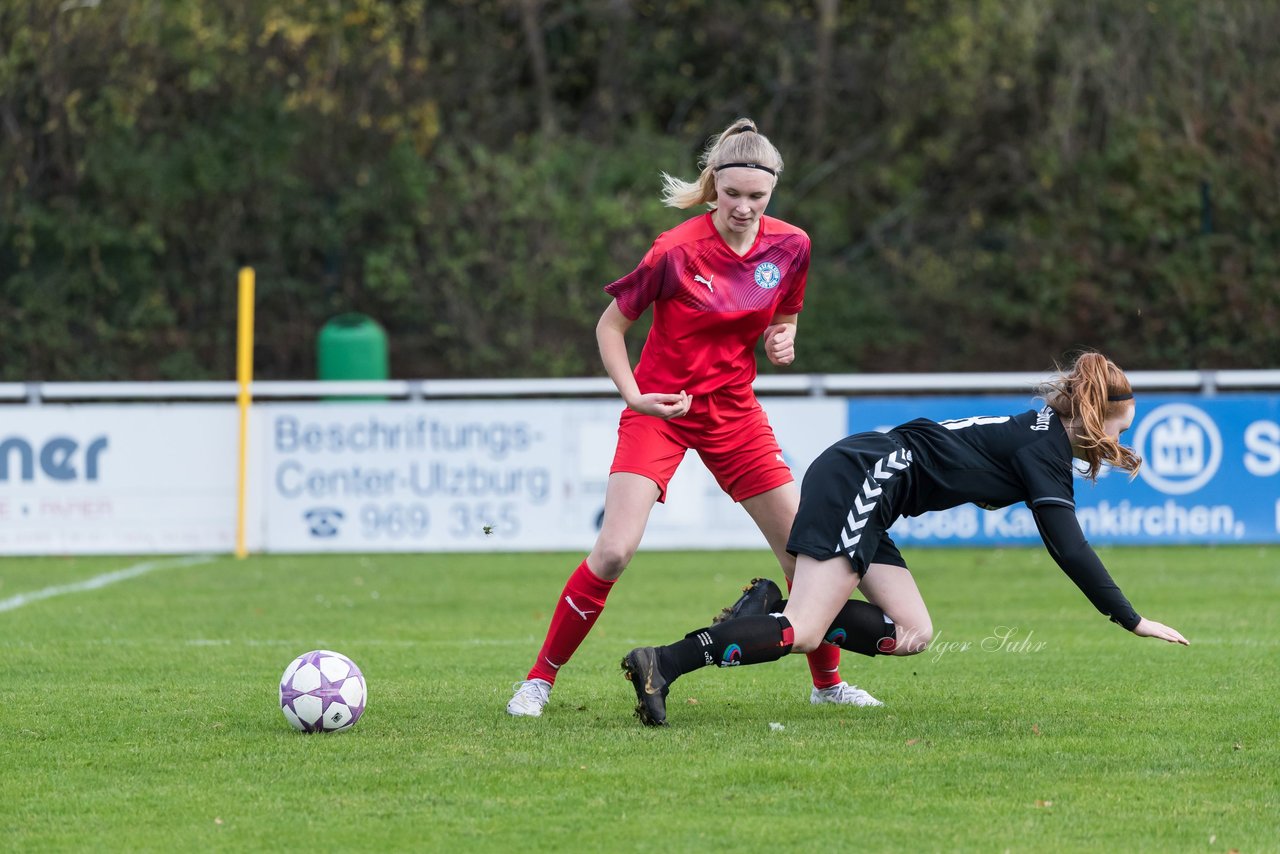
column 740, row 142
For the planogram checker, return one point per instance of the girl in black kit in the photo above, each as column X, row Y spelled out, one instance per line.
column 857, row 488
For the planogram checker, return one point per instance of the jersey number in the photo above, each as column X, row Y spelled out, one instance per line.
column 961, row 423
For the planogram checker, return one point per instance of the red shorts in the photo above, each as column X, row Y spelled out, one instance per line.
column 730, row 432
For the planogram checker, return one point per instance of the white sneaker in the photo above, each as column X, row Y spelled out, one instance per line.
column 843, row 694
column 530, row 697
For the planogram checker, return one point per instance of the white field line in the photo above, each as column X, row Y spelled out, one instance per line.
column 99, row 581
column 294, row 642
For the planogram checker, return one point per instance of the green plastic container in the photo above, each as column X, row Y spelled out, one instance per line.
column 351, row 347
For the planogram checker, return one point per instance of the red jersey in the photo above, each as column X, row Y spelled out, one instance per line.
column 710, row 305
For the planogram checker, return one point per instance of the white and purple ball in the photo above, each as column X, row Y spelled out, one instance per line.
column 322, row 691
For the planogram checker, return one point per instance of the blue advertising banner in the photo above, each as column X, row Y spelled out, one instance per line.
column 1210, row 473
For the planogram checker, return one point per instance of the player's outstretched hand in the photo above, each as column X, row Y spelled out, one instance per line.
column 1151, row 629
column 780, row 343
column 665, row 406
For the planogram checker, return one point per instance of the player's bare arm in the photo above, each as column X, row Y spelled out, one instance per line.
column 611, row 337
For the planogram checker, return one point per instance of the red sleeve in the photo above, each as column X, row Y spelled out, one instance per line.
column 637, row 290
column 794, row 300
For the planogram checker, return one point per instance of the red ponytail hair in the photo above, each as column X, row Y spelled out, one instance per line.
column 1087, row 393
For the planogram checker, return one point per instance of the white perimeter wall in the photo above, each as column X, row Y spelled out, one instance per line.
column 351, row 477
column 516, row 475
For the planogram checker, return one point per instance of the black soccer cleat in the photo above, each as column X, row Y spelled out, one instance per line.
column 641, row 667
column 761, row 596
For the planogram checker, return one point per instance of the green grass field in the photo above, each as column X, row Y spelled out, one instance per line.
column 142, row 715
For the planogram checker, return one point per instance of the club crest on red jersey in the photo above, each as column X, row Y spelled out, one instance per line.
column 768, row 275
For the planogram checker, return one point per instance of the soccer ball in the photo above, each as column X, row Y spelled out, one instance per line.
column 322, row 691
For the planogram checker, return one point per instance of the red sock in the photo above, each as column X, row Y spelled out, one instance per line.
column 824, row 662
column 579, row 607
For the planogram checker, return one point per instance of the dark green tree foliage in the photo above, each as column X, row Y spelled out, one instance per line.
column 988, row 184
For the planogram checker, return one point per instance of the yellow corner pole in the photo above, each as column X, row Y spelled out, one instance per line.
column 244, row 377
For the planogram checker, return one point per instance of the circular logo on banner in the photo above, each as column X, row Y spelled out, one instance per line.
column 1180, row 447
column 768, row 275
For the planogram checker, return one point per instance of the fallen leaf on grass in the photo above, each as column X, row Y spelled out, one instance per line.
column 1040, row 804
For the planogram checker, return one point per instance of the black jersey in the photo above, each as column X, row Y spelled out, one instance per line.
column 855, row 489
column 992, row 461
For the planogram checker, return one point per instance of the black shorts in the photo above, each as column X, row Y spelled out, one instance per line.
column 849, row 499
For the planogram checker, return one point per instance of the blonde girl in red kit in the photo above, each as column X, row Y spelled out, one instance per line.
column 717, row 284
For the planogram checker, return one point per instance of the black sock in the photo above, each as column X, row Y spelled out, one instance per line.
column 746, row 640
column 863, row 628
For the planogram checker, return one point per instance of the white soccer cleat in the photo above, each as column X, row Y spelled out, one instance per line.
column 530, row 698
column 843, row 694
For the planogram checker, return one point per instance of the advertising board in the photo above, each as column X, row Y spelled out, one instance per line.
column 493, row 476
column 531, row 476
column 83, row 479
column 1211, row 474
